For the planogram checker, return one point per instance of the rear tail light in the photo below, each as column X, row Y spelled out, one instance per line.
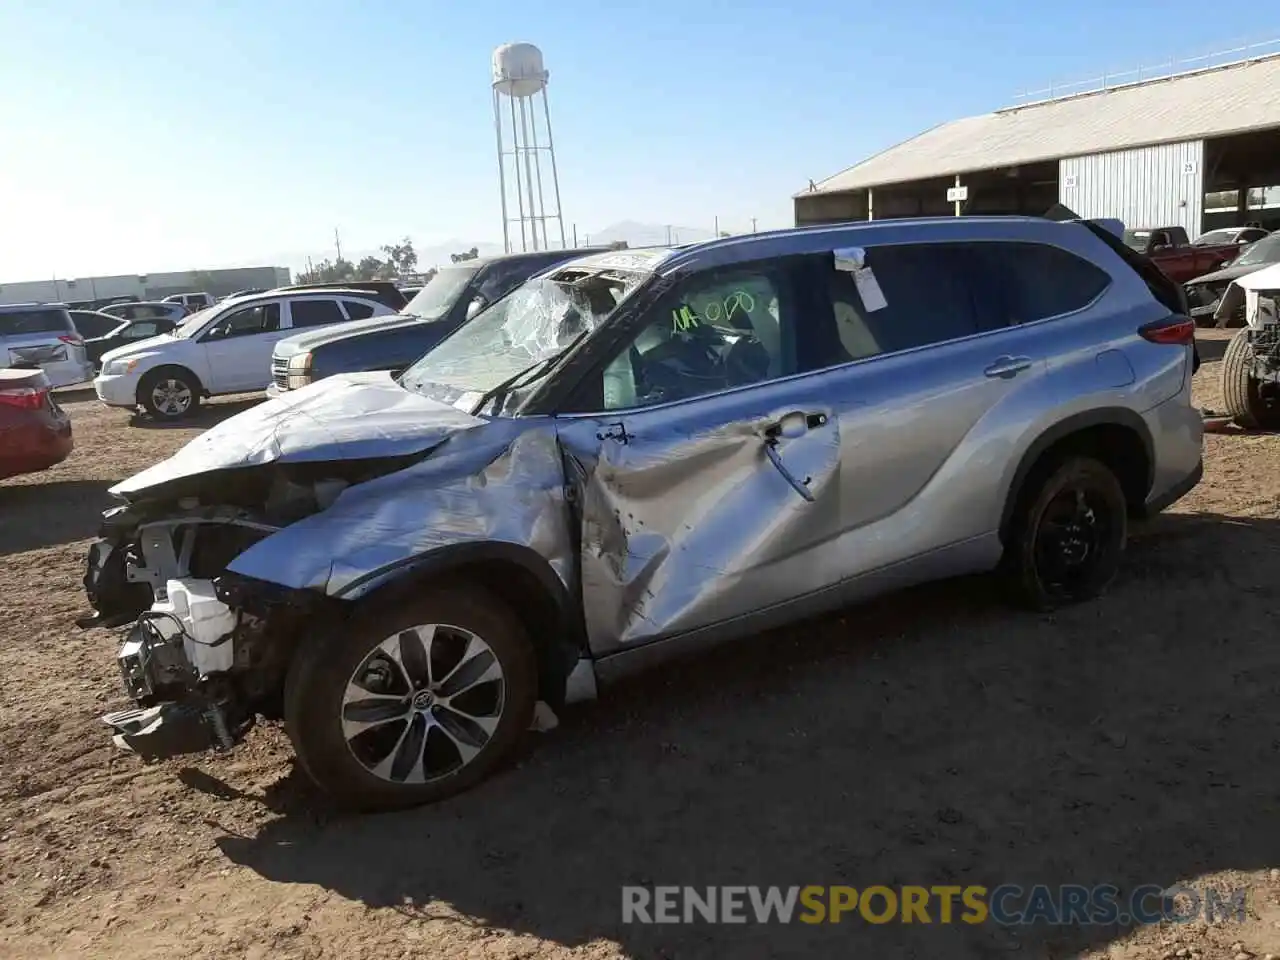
column 1175, row 331
column 72, row 338
column 23, row 398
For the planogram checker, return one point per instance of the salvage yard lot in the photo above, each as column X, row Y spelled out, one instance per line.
column 928, row 739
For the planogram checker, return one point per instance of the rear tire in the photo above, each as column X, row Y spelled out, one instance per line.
column 169, row 393
column 1067, row 534
column 1242, row 392
column 378, row 710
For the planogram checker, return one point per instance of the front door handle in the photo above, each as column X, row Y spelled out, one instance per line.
column 1006, row 367
column 802, row 488
column 793, row 424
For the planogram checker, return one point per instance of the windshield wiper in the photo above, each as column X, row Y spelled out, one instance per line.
column 498, row 394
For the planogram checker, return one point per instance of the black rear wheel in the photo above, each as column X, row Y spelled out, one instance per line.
column 1068, row 534
column 1248, row 401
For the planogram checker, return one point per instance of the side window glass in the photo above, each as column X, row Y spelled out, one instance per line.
column 141, row 330
column 263, row 318
column 500, row 278
column 314, row 313
column 715, row 332
column 926, row 297
column 1035, row 281
column 356, row 310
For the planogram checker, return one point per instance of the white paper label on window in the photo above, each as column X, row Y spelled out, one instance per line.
column 869, row 289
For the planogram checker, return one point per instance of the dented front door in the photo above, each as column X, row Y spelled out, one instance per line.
column 698, row 512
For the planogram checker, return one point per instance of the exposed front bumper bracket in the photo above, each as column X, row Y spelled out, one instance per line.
column 170, row 730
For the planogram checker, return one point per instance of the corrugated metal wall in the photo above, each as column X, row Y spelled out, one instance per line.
column 1160, row 186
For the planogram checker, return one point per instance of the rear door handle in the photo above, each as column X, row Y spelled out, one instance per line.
column 1006, row 367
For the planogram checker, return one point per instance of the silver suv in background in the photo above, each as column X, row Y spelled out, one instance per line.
column 148, row 310
column 637, row 454
column 43, row 335
column 192, row 301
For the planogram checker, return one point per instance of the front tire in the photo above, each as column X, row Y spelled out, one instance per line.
column 1242, row 392
column 1067, row 535
column 169, row 393
column 410, row 704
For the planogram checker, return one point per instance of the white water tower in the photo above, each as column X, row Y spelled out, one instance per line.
column 519, row 81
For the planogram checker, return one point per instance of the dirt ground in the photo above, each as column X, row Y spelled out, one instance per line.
column 925, row 739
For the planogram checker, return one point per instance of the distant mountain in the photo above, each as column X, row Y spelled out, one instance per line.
column 645, row 234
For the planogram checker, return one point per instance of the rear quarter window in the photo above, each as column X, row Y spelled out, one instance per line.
column 18, row 323
column 1036, row 281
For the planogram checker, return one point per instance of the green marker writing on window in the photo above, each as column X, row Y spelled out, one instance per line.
column 683, row 319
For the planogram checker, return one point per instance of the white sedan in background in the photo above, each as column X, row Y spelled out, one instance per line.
column 224, row 349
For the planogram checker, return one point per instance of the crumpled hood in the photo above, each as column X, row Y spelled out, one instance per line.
column 302, row 342
column 346, row 417
column 1227, row 274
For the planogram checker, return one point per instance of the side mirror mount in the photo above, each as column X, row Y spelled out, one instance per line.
column 477, row 304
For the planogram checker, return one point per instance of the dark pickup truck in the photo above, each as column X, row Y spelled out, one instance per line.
column 449, row 299
column 1178, row 258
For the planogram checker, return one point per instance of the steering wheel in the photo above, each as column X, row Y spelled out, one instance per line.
column 688, row 364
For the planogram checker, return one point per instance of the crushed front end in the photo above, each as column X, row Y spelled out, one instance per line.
column 205, row 650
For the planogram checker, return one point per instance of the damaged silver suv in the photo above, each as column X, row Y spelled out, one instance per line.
column 636, row 454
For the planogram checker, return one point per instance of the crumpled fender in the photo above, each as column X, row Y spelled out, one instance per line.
column 500, row 483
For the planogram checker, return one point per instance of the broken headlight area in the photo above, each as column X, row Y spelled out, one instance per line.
column 1266, row 353
column 206, row 650
column 203, row 662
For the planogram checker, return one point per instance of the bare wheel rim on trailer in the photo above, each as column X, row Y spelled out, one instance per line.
column 423, row 703
column 171, row 396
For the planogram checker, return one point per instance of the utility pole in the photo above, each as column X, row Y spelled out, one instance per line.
column 337, row 242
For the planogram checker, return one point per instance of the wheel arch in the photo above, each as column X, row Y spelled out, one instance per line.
column 517, row 575
column 1115, row 435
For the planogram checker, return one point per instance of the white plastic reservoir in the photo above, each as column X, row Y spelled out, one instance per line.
column 206, row 619
column 518, row 70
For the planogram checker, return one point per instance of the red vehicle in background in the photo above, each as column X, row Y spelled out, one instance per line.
column 1178, row 258
column 35, row 433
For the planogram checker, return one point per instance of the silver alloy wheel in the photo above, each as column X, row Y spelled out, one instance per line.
column 171, row 397
column 423, row 703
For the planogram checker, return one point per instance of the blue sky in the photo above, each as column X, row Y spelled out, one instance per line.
column 145, row 136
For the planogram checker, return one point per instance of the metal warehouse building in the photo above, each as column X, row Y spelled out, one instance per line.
column 1199, row 149
column 144, row 286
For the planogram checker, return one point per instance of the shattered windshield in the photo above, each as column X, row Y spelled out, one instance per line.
column 440, row 293
column 529, row 326
column 1266, row 250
